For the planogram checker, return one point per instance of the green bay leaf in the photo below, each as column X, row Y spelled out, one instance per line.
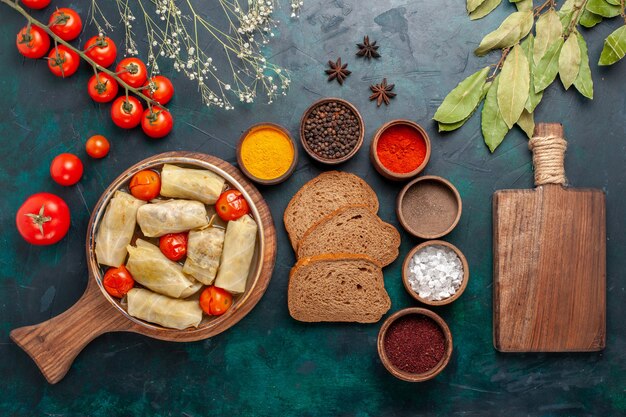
column 514, row 85
column 526, row 122
column 548, row 29
column 548, row 66
column 461, row 101
column 473, row 4
column 584, row 82
column 448, row 127
column 569, row 6
column 492, row 124
column 614, row 2
column 533, row 97
column 589, row 20
column 569, row 60
column 515, row 27
column 523, row 5
column 602, row 8
column 484, row 9
column 614, row 47
column 568, row 9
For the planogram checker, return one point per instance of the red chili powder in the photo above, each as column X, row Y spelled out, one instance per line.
column 414, row 343
column 401, row 149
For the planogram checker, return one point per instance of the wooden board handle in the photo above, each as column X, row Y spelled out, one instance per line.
column 548, row 145
column 55, row 343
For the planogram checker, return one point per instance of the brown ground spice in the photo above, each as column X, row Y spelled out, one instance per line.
column 429, row 207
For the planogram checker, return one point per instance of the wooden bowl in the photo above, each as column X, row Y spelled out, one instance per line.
column 359, row 142
column 384, row 171
column 405, row 278
column 429, row 207
column 262, row 181
column 407, row 376
column 54, row 344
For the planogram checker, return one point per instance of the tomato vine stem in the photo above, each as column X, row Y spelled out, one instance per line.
column 31, row 20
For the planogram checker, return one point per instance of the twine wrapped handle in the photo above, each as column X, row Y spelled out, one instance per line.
column 548, row 146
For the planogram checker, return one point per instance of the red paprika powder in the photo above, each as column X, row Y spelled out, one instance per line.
column 414, row 343
column 401, row 148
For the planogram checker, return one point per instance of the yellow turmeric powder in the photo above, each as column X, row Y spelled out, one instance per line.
column 267, row 152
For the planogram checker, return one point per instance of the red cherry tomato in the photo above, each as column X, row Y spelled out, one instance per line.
column 160, row 89
column 65, row 23
column 33, row 42
column 66, row 169
column 62, row 61
column 36, row 4
column 102, row 88
column 215, row 301
column 97, row 146
column 43, row 219
column 102, row 50
column 126, row 113
column 231, row 205
column 118, row 281
column 157, row 122
column 174, row 245
column 145, row 185
column 133, row 71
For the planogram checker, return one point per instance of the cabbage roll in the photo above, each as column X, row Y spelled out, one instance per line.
column 152, row 269
column 194, row 184
column 171, row 216
column 204, row 248
column 239, row 245
column 166, row 311
column 116, row 229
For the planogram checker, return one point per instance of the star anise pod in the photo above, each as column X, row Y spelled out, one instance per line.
column 368, row 50
column 337, row 71
column 382, row 92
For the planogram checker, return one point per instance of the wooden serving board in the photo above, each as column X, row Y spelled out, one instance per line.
column 549, row 267
column 55, row 343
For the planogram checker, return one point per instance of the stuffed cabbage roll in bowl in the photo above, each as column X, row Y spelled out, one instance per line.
column 183, row 246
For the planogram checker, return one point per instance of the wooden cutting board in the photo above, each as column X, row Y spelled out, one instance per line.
column 54, row 344
column 549, row 259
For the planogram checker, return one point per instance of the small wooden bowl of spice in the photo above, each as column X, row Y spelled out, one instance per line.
column 331, row 131
column 435, row 272
column 414, row 344
column 429, row 207
column 400, row 150
column 267, row 154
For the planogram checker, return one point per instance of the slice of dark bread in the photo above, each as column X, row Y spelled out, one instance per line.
column 323, row 195
column 337, row 288
column 351, row 229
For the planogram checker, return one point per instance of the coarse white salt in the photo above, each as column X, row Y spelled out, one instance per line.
column 435, row 272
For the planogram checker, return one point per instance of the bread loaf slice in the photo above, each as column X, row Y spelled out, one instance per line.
column 323, row 195
column 352, row 229
column 337, row 288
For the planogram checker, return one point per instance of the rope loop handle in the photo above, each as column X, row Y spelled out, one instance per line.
column 548, row 147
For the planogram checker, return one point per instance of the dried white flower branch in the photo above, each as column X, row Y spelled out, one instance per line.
column 174, row 30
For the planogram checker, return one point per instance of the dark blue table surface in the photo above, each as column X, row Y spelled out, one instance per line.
column 269, row 364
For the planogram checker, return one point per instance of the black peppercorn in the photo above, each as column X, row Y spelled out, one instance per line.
column 332, row 130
